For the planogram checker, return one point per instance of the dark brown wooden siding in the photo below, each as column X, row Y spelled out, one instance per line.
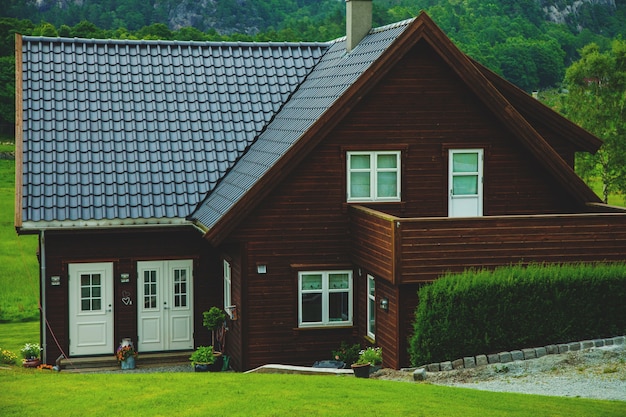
column 124, row 249
column 428, row 247
column 423, row 110
column 373, row 242
column 235, row 345
column 387, row 329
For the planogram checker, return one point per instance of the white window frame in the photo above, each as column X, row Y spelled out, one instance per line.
column 228, row 302
column 373, row 171
column 325, row 291
column 371, row 306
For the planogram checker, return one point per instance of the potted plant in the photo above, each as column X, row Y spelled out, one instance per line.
column 30, row 353
column 347, row 354
column 202, row 358
column 214, row 320
column 126, row 354
column 371, row 356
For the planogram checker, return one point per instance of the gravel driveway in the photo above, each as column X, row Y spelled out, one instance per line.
column 598, row 373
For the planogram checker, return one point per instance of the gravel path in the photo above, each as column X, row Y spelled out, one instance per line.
column 598, row 373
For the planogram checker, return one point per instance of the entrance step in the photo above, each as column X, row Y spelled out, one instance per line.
column 109, row 362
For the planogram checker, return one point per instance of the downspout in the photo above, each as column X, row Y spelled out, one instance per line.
column 44, row 321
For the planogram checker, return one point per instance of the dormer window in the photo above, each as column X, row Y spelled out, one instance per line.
column 373, row 176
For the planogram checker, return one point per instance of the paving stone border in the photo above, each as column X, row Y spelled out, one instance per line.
column 515, row 355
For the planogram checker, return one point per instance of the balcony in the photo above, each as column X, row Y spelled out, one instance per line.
column 413, row 250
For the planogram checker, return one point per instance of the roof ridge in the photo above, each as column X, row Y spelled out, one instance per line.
column 171, row 42
column 392, row 25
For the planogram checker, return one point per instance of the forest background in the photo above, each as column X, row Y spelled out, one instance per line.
column 572, row 52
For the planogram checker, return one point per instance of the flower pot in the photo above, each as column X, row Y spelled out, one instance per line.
column 31, row 363
column 217, row 365
column 361, row 370
column 128, row 363
column 201, row 367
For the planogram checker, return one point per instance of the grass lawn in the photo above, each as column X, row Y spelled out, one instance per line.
column 38, row 393
column 19, row 287
column 13, row 336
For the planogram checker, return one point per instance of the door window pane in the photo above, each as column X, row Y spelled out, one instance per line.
column 465, row 185
column 90, row 292
column 149, row 289
column 180, row 288
column 465, row 162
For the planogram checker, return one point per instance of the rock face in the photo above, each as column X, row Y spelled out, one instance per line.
column 563, row 11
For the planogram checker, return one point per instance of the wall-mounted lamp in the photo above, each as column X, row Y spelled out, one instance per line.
column 261, row 269
column 124, row 277
column 55, row 281
column 384, row 304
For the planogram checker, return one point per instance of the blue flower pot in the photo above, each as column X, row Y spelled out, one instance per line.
column 128, row 363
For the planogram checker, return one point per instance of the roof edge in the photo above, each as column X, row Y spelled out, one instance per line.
column 30, row 226
column 19, row 132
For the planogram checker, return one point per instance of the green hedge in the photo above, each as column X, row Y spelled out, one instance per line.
column 480, row 312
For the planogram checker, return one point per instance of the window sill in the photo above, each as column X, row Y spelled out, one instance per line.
column 317, row 328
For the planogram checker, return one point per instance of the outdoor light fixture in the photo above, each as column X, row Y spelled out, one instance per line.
column 261, row 269
column 55, row 280
column 384, row 304
column 124, row 277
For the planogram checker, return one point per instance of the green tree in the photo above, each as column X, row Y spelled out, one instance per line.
column 597, row 101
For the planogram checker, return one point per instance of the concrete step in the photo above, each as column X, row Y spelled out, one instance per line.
column 109, row 362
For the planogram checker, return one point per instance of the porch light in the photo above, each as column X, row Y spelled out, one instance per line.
column 261, row 269
column 384, row 304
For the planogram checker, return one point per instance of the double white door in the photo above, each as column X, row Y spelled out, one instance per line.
column 165, row 305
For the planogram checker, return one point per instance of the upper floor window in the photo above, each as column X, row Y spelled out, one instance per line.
column 373, row 176
column 325, row 298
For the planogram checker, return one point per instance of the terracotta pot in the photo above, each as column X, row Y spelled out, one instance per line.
column 31, row 363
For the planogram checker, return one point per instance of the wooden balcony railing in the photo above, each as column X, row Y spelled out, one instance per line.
column 409, row 250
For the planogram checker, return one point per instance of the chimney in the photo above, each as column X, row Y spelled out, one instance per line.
column 358, row 21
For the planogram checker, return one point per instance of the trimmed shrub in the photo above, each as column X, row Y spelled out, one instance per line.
column 514, row 307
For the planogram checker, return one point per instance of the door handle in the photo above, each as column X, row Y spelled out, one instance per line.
column 165, row 307
column 109, row 309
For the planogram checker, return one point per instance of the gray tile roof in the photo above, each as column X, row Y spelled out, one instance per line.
column 327, row 82
column 140, row 131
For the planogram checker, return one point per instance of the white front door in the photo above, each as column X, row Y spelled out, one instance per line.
column 465, row 183
column 165, row 310
column 91, row 308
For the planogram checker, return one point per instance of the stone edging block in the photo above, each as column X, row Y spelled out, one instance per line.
column 515, row 355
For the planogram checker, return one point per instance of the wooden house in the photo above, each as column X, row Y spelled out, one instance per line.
column 307, row 188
